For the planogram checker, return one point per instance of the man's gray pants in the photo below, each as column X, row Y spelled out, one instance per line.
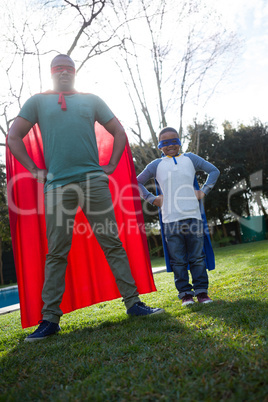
column 61, row 204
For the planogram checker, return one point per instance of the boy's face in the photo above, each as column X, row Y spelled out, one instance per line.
column 170, row 150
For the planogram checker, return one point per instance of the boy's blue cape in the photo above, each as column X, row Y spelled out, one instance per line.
column 209, row 254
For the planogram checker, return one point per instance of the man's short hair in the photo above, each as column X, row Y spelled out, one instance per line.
column 60, row 55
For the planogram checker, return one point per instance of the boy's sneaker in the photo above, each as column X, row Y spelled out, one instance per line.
column 203, row 298
column 187, row 300
column 141, row 309
column 45, row 329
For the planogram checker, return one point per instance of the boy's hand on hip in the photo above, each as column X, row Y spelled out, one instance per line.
column 158, row 202
column 199, row 194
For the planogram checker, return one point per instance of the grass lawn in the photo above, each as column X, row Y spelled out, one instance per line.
column 215, row 352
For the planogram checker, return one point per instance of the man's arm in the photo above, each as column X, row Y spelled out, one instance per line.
column 17, row 132
column 118, row 132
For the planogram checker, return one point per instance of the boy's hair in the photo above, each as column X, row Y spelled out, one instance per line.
column 165, row 130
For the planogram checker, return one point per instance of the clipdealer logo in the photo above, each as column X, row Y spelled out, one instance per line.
column 256, row 181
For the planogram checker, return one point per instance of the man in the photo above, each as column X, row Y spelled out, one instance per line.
column 73, row 178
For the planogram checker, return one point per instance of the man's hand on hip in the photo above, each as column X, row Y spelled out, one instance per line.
column 40, row 175
column 108, row 169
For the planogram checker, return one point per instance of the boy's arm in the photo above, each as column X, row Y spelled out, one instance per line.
column 148, row 173
column 213, row 173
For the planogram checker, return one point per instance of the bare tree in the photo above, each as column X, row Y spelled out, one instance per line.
column 22, row 42
column 47, row 28
column 131, row 63
column 163, row 49
column 179, row 58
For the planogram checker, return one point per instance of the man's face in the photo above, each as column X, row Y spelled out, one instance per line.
column 170, row 150
column 63, row 75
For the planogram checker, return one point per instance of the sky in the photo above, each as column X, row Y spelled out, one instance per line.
column 243, row 95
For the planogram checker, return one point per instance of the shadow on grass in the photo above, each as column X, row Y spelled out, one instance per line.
column 245, row 314
column 146, row 358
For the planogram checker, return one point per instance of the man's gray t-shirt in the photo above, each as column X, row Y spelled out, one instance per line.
column 69, row 140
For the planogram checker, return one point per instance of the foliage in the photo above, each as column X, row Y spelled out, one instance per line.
column 216, row 351
column 207, row 143
column 141, row 156
column 219, row 240
column 239, row 154
column 247, row 148
column 4, row 219
column 5, row 236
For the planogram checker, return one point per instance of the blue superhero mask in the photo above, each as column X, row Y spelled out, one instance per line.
column 166, row 143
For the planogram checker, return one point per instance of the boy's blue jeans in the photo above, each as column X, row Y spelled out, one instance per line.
column 185, row 240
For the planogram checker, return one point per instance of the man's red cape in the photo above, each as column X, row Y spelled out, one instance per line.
column 89, row 279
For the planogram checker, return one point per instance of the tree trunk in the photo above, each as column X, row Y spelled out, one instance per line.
column 156, row 245
column 263, row 209
column 224, row 230
column 238, row 231
column 217, row 227
column 1, row 264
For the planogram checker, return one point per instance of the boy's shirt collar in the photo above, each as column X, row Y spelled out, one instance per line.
column 173, row 156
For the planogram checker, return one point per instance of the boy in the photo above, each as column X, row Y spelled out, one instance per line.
column 183, row 226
